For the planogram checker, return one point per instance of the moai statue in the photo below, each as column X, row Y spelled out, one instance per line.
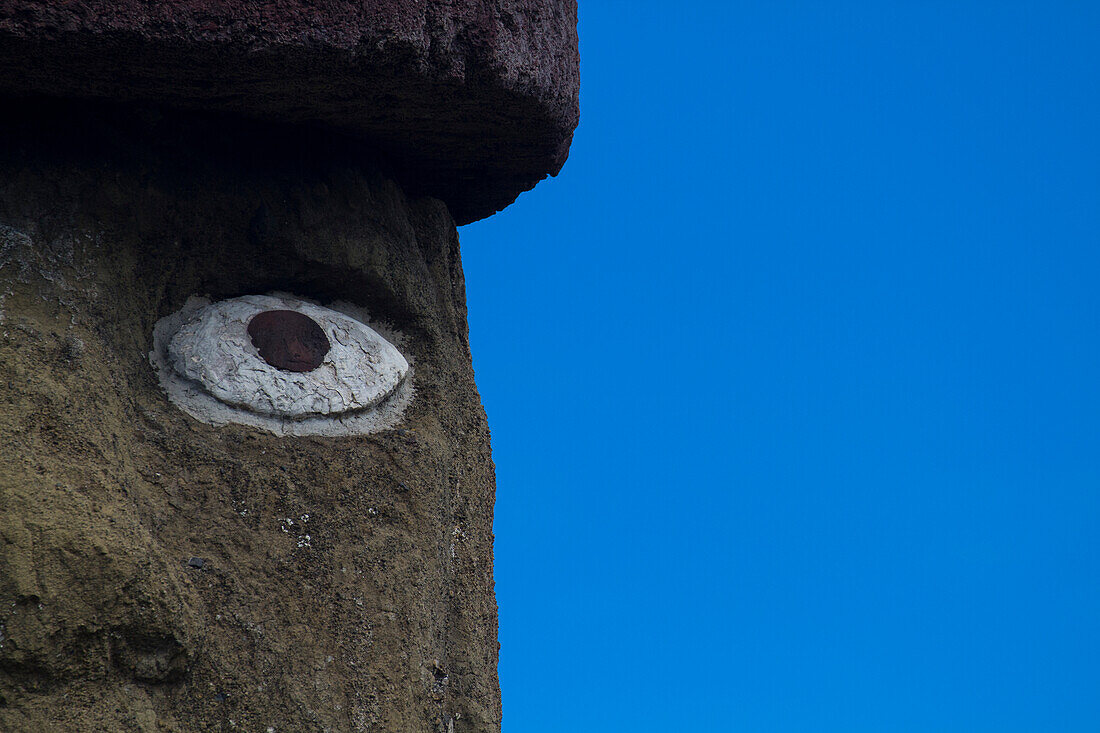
column 245, row 479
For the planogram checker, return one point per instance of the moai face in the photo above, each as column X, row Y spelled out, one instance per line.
column 245, row 473
column 245, row 478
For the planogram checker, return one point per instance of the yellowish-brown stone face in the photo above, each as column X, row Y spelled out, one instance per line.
column 158, row 573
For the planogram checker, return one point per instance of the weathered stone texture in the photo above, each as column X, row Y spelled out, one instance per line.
column 470, row 101
column 338, row 584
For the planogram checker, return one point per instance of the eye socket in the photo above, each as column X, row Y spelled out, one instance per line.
column 280, row 363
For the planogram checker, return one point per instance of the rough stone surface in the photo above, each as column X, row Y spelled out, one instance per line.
column 161, row 574
column 470, row 101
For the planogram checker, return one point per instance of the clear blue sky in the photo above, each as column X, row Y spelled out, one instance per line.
column 794, row 375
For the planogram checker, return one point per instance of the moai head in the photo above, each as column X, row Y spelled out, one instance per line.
column 245, row 479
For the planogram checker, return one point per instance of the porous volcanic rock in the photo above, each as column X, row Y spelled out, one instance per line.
column 160, row 574
column 469, row 101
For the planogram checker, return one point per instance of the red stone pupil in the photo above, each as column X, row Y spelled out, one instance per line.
column 288, row 340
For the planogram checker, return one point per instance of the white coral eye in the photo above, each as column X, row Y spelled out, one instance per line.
column 280, row 363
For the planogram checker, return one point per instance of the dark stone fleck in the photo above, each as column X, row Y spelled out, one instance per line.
column 196, row 562
column 288, row 340
column 221, row 697
column 72, row 348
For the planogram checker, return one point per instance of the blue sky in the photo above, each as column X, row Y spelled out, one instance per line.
column 794, row 375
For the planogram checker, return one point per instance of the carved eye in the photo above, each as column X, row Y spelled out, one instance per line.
column 280, row 363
